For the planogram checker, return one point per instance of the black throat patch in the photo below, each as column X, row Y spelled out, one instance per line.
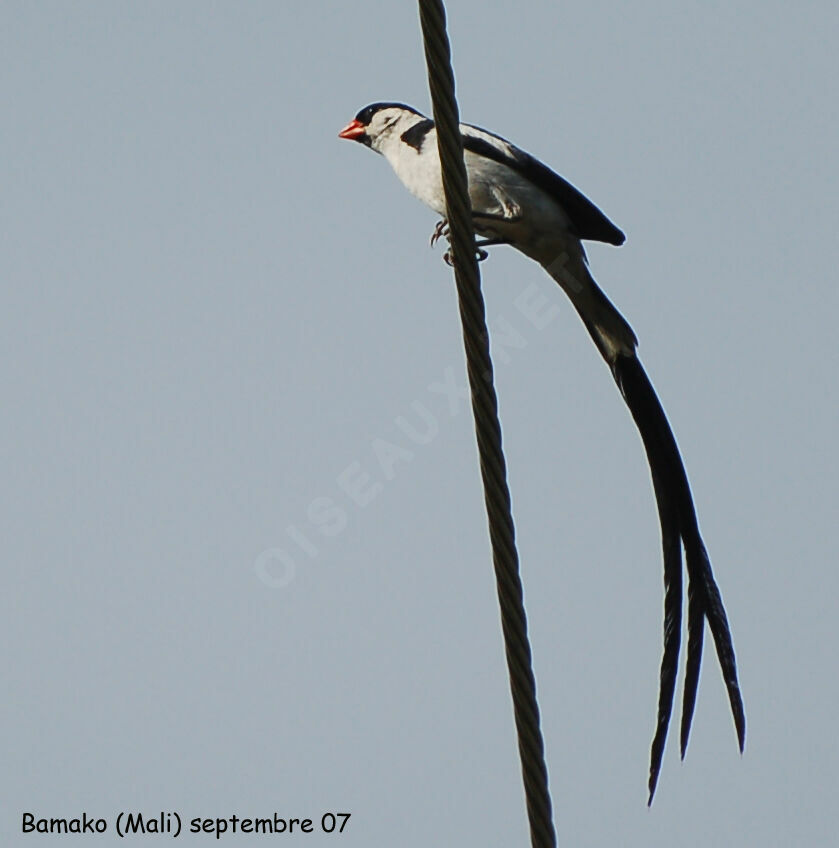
column 415, row 136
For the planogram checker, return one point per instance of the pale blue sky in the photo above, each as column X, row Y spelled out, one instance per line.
column 216, row 318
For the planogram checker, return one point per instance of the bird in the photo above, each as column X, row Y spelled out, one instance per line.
column 518, row 201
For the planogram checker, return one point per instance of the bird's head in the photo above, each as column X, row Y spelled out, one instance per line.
column 379, row 123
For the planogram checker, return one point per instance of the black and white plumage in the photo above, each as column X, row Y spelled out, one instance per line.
column 516, row 200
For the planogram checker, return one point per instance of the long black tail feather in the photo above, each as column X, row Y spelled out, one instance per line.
column 616, row 342
column 696, row 635
column 671, row 543
column 678, row 524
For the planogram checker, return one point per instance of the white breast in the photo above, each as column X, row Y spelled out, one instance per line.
column 419, row 170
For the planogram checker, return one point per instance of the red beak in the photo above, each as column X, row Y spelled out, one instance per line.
column 353, row 130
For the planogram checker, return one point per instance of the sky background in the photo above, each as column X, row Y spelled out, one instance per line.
column 222, row 327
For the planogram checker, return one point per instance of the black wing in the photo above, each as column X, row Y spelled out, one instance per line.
column 587, row 220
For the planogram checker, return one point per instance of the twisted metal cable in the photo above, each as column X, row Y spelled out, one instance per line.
column 487, row 426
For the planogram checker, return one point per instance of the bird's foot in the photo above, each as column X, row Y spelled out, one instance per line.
column 480, row 256
column 440, row 231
